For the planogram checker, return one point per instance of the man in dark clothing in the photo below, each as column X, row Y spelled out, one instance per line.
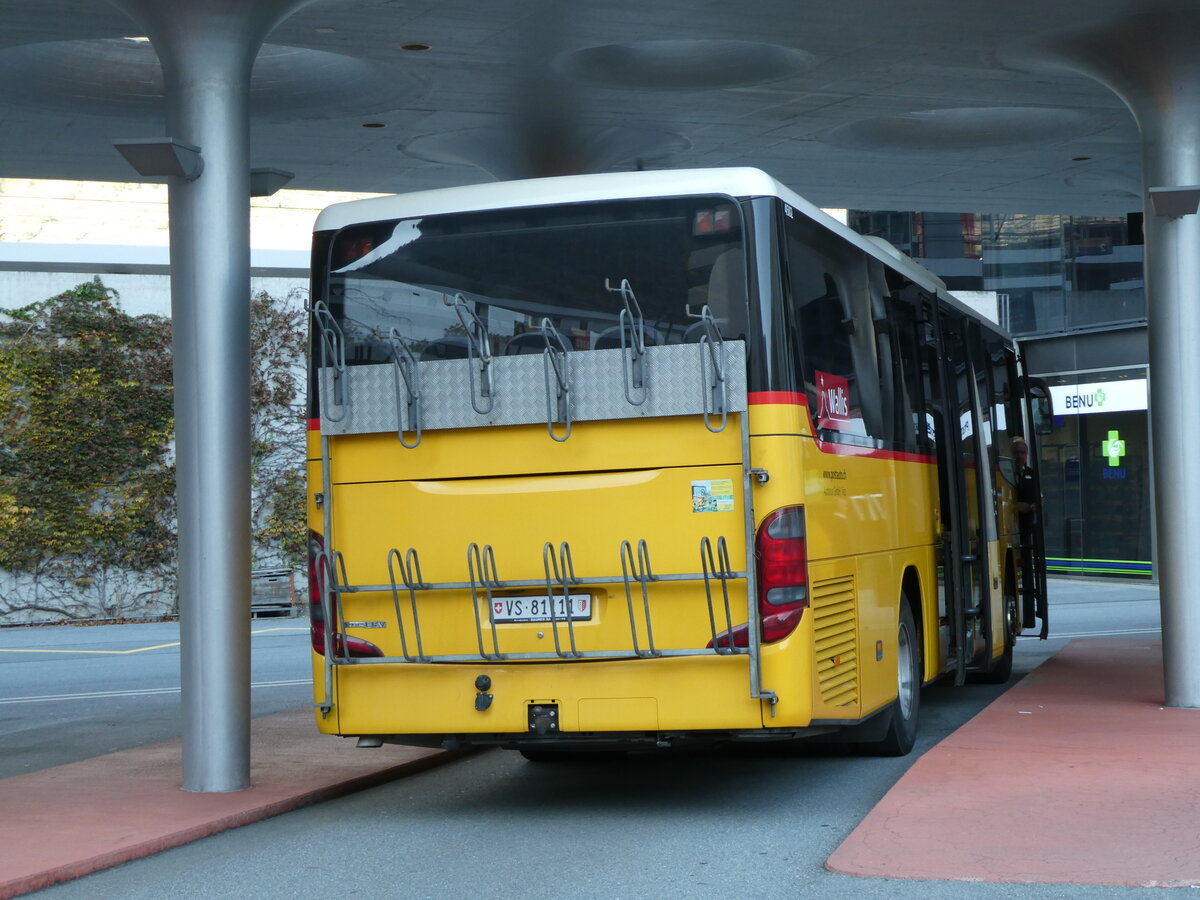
column 1026, row 519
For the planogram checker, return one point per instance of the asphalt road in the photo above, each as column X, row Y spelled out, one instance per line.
column 73, row 692
column 747, row 823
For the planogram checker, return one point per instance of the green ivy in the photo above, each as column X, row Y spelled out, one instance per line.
column 85, row 430
column 87, row 479
column 278, row 344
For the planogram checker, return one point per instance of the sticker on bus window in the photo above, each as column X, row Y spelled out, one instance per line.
column 712, row 496
column 833, row 402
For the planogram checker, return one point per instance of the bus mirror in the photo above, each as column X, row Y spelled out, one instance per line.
column 1041, row 408
column 1043, row 416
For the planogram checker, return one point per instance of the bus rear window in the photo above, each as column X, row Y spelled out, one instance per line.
column 514, row 268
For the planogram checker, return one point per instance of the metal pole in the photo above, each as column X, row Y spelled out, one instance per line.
column 1150, row 61
column 1171, row 156
column 207, row 49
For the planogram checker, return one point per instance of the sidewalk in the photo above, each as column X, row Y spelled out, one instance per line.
column 71, row 820
column 1076, row 775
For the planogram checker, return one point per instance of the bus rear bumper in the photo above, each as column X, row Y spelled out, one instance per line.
column 584, row 701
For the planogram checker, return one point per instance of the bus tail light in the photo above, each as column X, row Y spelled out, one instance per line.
column 356, row 647
column 782, row 554
column 782, row 559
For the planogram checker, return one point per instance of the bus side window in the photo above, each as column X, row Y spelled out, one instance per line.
column 831, row 299
column 911, row 426
column 1004, row 414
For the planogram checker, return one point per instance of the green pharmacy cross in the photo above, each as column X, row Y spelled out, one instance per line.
column 1113, row 448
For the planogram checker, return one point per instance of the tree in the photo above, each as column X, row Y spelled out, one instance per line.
column 278, row 344
column 87, row 481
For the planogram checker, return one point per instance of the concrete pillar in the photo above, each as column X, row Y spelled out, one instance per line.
column 207, row 49
column 1150, row 60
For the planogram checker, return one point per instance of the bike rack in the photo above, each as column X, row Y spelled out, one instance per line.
column 412, row 396
column 559, row 578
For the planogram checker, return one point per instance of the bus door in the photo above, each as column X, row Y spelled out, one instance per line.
column 1038, row 412
column 965, row 476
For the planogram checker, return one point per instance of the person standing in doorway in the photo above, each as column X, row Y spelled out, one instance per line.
column 1026, row 485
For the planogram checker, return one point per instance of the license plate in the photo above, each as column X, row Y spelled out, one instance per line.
column 537, row 609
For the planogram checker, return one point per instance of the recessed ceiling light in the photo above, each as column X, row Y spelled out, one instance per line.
column 415, row 46
column 374, row 125
column 325, row 29
column 139, row 39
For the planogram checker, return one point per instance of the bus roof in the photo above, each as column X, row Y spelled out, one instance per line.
column 740, row 183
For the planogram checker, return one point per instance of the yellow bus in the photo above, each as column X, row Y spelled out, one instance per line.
column 634, row 459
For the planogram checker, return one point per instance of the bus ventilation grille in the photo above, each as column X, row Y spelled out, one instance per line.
column 837, row 640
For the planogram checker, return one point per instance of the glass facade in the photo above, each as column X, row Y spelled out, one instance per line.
column 1064, row 273
column 1053, row 276
column 1095, row 469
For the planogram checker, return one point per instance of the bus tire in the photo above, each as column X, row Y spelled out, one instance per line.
column 901, row 733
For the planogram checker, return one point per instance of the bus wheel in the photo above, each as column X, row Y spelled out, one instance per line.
column 1001, row 670
column 901, row 731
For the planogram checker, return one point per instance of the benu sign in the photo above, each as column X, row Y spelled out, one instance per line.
column 1099, row 397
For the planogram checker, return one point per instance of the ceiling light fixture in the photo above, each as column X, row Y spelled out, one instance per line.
column 415, row 46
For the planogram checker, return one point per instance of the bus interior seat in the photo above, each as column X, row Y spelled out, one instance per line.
column 445, row 348
column 533, row 342
column 726, row 295
column 610, row 338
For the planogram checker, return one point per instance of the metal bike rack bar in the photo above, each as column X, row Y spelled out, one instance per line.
column 560, row 571
column 482, row 566
column 408, row 373
column 332, row 345
column 340, row 585
column 410, row 572
column 326, row 585
column 721, row 571
column 477, row 348
column 638, row 570
column 713, row 383
column 557, row 362
column 633, row 354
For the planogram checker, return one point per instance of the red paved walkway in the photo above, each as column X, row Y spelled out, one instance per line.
column 1076, row 775
column 71, row 820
